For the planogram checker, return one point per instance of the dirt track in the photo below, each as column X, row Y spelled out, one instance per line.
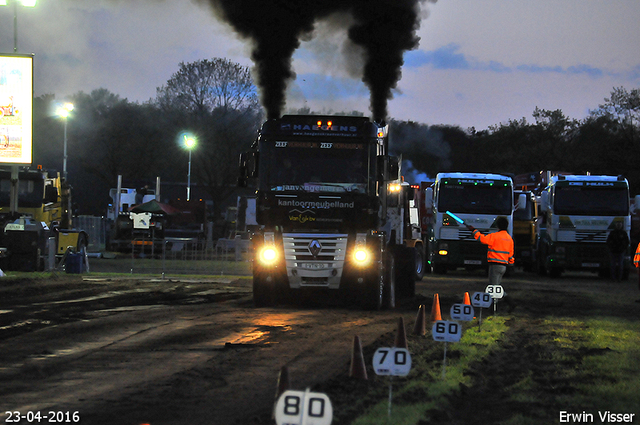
column 197, row 352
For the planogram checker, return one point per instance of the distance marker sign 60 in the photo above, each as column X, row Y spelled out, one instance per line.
column 303, row 408
column 392, row 361
column 446, row 331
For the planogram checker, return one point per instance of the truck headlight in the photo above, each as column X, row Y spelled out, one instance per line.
column 361, row 254
column 268, row 255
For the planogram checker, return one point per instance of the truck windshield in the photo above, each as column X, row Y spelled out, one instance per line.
column 30, row 193
column 480, row 199
column 581, row 200
column 316, row 167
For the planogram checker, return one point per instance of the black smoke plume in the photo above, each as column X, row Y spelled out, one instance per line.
column 385, row 29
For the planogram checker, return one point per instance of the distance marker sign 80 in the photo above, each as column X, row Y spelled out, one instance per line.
column 303, row 408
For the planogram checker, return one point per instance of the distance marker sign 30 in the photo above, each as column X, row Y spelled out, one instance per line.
column 495, row 291
column 392, row 361
column 303, row 408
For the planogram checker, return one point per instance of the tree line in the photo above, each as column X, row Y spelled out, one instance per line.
column 217, row 101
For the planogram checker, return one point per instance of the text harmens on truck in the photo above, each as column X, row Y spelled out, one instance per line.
column 328, row 212
column 476, row 198
column 579, row 211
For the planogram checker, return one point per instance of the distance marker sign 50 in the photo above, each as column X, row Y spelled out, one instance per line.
column 462, row 312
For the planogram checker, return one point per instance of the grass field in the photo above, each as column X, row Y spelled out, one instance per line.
column 569, row 353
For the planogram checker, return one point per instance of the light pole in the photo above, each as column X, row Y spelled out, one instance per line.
column 63, row 112
column 189, row 142
column 25, row 3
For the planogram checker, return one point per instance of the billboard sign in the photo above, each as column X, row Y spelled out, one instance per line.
column 16, row 108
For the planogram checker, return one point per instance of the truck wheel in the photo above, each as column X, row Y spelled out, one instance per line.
column 262, row 291
column 419, row 266
column 389, row 289
column 405, row 265
column 373, row 289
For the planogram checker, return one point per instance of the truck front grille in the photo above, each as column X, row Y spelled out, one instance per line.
column 314, row 259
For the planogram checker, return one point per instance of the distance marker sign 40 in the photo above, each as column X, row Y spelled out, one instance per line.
column 392, row 361
column 303, row 408
column 481, row 299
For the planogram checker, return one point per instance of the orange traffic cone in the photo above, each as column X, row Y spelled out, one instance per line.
column 467, row 300
column 357, row 369
column 401, row 336
column 420, row 327
column 283, row 385
column 435, row 309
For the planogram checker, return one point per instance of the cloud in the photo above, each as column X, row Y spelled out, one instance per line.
column 449, row 58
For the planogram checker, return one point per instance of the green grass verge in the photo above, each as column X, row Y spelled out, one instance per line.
column 432, row 381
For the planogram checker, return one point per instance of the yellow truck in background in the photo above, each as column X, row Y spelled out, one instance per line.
column 525, row 231
column 40, row 230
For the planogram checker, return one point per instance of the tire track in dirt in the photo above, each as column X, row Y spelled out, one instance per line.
column 527, row 356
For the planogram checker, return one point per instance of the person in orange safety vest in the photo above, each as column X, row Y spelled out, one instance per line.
column 636, row 262
column 499, row 252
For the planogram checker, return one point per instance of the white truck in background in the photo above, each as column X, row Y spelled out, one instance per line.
column 578, row 212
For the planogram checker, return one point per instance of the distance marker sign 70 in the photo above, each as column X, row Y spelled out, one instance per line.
column 392, row 361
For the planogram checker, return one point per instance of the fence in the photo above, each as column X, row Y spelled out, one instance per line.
column 96, row 228
column 191, row 256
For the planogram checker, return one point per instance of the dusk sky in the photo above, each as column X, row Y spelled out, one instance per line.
column 479, row 63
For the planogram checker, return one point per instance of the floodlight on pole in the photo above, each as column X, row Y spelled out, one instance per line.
column 189, row 143
column 63, row 112
column 25, row 3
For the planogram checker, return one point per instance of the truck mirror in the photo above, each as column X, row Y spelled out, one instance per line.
column 247, row 167
column 522, row 201
column 428, row 198
column 50, row 194
column 394, row 168
column 391, row 165
column 242, row 170
column 544, row 201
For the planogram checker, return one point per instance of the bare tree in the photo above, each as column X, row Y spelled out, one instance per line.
column 217, row 101
column 206, row 85
column 623, row 107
